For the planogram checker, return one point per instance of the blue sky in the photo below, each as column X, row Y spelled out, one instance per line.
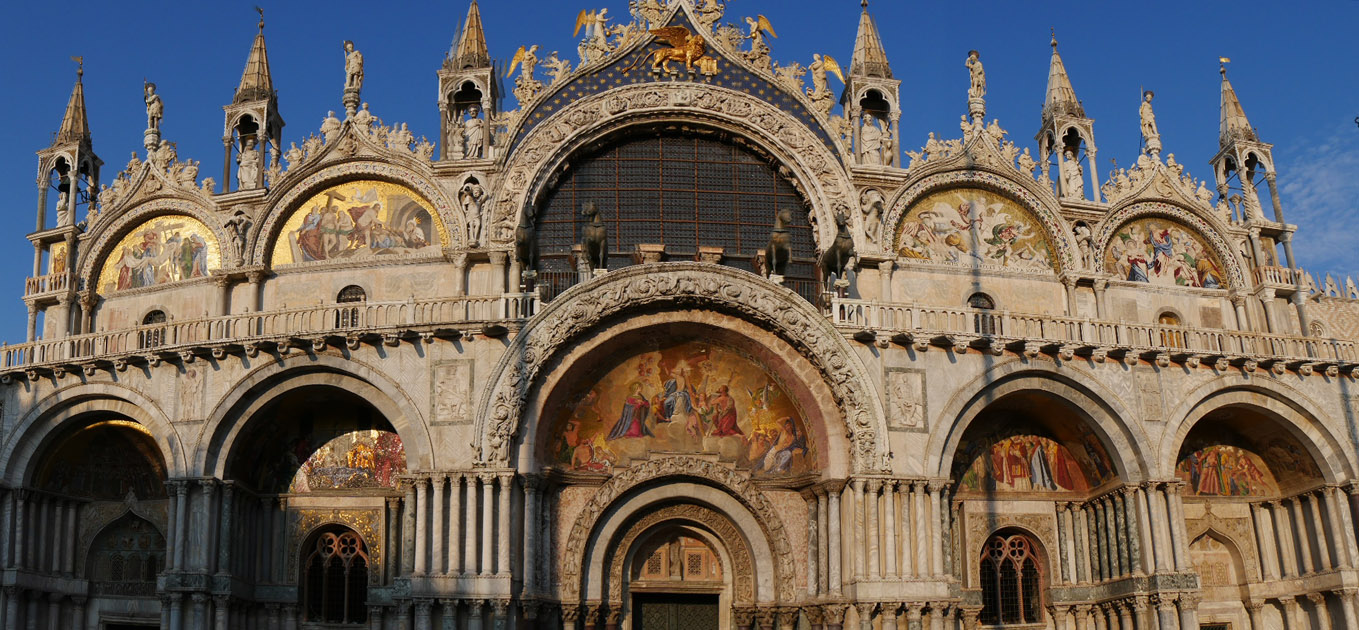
column 1293, row 66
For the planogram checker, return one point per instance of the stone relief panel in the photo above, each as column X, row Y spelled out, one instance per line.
column 906, row 399
column 1149, row 391
column 165, row 249
column 359, row 220
column 974, row 228
column 451, row 391
column 1160, row 251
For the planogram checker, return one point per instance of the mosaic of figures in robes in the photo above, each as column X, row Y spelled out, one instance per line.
column 163, row 250
column 1226, row 471
column 1159, row 251
column 1023, row 458
column 688, row 397
column 332, row 454
column 359, row 220
column 106, row 462
column 974, row 228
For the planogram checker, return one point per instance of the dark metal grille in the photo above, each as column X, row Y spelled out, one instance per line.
column 335, row 579
column 1011, row 582
column 680, row 191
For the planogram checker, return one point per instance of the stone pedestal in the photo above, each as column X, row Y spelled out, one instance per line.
column 350, row 101
column 976, row 108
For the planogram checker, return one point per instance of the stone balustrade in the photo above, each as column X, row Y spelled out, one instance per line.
column 1032, row 332
column 1277, row 275
column 47, row 284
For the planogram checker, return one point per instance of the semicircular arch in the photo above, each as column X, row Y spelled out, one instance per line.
column 1208, row 229
column 229, row 417
column 816, row 170
column 581, row 309
column 100, row 253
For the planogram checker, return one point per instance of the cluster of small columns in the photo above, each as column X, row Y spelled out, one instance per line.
column 1289, row 549
column 1309, row 610
column 442, row 613
column 1161, row 611
column 40, row 532
column 906, row 615
column 458, row 523
column 1131, row 531
column 898, row 531
column 25, row 608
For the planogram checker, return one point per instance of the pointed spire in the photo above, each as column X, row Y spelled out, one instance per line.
column 1234, row 123
column 1061, row 97
column 75, row 124
column 256, row 82
column 870, row 59
column 471, row 51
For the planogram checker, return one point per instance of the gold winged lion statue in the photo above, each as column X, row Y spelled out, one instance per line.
column 684, row 46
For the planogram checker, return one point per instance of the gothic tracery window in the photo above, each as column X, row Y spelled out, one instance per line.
column 348, row 316
column 335, row 578
column 985, row 323
column 1010, row 581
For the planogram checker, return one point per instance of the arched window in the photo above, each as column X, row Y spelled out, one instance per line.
column 153, row 337
column 1010, row 581
column 348, row 316
column 1170, row 337
column 125, row 558
column 984, row 323
column 335, row 578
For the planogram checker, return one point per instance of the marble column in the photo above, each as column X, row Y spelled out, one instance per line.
column 375, row 617
column 1082, row 617
column 1080, row 533
column 498, row 272
column 1101, row 527
column 455, row 522
column 1344, row 553
column 858, row 523
column 1257, row 617
column 1165, row 612
column 176, row 611
column 1264, row 536
column 423, row 610
column 1189, row 610
column 1160, row 546
column 1177, row 531
column 822, row 539
column 1299, row 532
column 221, row 608
column 914, row 614
column 1061, row 617
column 1323, row 548
column 422, row 518
column 872, row 529
column 487, row 524
column 889, row 510
column 448, row 614
column 834, row 544
column 1283, row 530
column 408, row 535
column 1293, row 612
column 1125, row 619
column 503, row 519
column 472, row 534
column 908, row 534
column 1121, row 534
column 813, row 560
column 77, row 613
column 475, row 612
column 922, row 534
column 1323, row 613
column 1064, row 573
column 1145, row 544
column 936, row 528
column 181, row 524
column 529, row 556
column 1143, row 611
column 1101, row 612
column 1347, row 597
column 436, row 565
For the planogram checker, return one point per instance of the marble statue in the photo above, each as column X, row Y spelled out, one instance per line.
column 353, row 67
column 1072, row 185
column 132, row 165
column 64, row 214
column 1083, row 239
column 871, row 204
column 188, row 174
column 248, row 167
column 237, row 226
column 330, row 127
column 164, row 156
column 871, row 141
column 978, row 86
column 294, row 156
column 474, row 133
column 155, row 108
column 453, row 144
column 471, row 197
column 363, row 118
column 1148, row 117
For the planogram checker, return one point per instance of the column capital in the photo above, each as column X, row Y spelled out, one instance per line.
column 914, row 611
column 423, row 606
column 834, row 613
column 874, row 485
column 1318, row 599
column 199, row 598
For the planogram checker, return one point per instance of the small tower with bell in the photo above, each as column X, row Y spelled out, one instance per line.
column 872, row 98
column 469, row 93
column 253, row 123
column 1066, row 135
column 68, row 180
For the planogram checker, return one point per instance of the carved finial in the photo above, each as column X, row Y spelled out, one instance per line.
column 80, row 66
column 1222, row 65
column 864, row 4
column 1054, row 37
column 260, row 10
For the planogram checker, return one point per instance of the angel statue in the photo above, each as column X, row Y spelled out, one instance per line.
column 822, row 64
column 596, row 25
column 758, row 27
column 684, row 46
column 353, row 66
column 528, row 57
column 155, row 108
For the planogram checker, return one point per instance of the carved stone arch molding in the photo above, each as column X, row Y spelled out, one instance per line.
column 98, row 252
column 1055, row 228
column 263, row 233
column 729, row 483
column 681, row 285
column 819, row 174
column 1209, row 228
column 743, row 565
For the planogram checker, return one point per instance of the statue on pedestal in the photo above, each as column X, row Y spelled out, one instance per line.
column 1150, row 135
column 155, row 108
column 353, row 67
column 248, row 167
column 1073, row 187
column 474, row 133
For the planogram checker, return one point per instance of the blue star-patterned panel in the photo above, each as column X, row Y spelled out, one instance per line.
column 731, row 74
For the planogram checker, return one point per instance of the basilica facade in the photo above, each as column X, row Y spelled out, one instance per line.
column 689, row 338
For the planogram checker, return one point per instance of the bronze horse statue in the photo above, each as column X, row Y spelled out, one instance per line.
column 780, row 248
column 840, row 252
column 596, row 238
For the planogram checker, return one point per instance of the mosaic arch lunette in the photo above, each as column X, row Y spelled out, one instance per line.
column 165, row 249
column 691, row 396
column 974, row 228
column 1206, row 229
column 653, row 285
column 359, row 220
column 1162, row 251
column 818, row 170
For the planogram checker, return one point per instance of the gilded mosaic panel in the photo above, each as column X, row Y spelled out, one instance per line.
column 358, row 220
column 168, row 248
column 1223, row 470
column 976, row 229
column 1024, row 457
column 1159, row 251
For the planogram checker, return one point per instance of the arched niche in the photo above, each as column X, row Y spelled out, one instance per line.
column 125, row 558
column 684, row 554
column 1162, row 251
column 974, row 228
column 357, row 220
column 317, row 439
column 103, row 457
column 717, row 386
column 1030, row 443
column 165, row 249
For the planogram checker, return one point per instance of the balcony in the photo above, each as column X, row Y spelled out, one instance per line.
column 989, row 328
column 49, row 283
column 388, row 321
column 1282, row 276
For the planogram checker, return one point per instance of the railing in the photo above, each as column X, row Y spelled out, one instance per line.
column 929, row 321
column 330, row 319
column 1276, row 275
column 44, row 284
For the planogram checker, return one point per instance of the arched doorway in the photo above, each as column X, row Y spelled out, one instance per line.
column 676, row 581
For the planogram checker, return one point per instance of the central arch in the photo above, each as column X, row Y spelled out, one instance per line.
column 660, row 286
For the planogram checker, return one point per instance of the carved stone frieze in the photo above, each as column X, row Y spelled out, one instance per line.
column 775, row 308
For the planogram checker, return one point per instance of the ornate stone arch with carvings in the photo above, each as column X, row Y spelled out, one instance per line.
column 724, row 479
column 1208, row 228
column 659, row 285
column 743, row 566
column 817, row 172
